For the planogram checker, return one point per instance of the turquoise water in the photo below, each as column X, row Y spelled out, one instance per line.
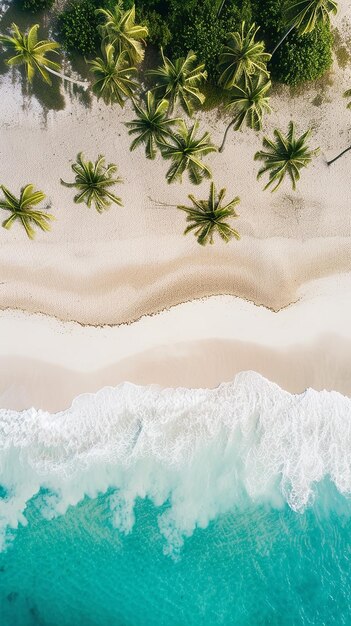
column 255, row 566
column 141, row 506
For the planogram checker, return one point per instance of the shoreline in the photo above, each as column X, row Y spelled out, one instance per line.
column 134, row 260
column 196, row 344
column 98, row 290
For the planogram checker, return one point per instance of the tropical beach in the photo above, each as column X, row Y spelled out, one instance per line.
column 149, row 377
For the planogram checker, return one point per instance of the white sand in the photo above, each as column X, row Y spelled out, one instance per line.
column 132, row 261
column 46, row 362
column 115, row 267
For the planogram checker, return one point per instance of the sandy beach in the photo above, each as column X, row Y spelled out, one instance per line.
column 197, row 344
column 119, row 270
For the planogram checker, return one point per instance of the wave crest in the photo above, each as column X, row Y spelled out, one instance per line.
column 201, row 451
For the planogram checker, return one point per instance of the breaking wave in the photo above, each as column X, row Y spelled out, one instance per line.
column 200, row 452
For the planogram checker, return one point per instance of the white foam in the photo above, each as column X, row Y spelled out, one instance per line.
column 201, row 450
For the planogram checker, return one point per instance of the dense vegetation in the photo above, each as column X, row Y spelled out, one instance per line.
column 235, row 45
column 178, row 26
column 78, row 26
column 36, row 5
column 301, row 57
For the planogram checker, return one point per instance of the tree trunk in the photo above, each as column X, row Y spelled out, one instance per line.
column 82, row 83
column 283, row 39
column 339, row 155
column 225, row 135
column 221, row 6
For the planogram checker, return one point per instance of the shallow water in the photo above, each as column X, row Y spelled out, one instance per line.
column 252, row 566
column 142, row 506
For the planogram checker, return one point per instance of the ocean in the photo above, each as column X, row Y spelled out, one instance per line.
column 142, row 506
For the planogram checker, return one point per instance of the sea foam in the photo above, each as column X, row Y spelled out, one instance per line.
column 201, row 452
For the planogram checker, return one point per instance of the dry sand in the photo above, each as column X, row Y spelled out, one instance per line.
column 133, row 261
column 46, row 363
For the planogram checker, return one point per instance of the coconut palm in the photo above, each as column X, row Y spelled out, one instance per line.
column 152, row 124
column 21, row 209
column 250, row 101
column 92, row 181
column 186, row 152
column 285, row 155
column 180, row 81
column 113, row 76
column 120, row 29
column 208, row 217
column 32, row 53
column 347, row 94
column 304, row 15
column 242, row 56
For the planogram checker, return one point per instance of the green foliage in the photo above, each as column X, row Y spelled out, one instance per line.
column 186, row 151
column 304, row 58
column 152, row 125
column 113, row 76
column 78, row 26
column 192, row 25
column 207, row 217
column 242, row 56
column 159, row 33
column 121, row 30
column 204, row 33
column 180, row 82
column 21, row 209
column 300, row 58
column 249, row 101
column 306, row 14
column 30, row 52
column 93, row 181
column 285, row 155
column 34, row 6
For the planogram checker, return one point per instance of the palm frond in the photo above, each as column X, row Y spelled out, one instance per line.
column 22, row 211
column 180, row 82
column 113, row 76
column 242, row 56
column 186, row 151
column 305, row 14
column 208, row 217
column 285, row 155
column 250, row 101
column 92, row 181
column 152, row 125
column 30, row 52
column 120, row 30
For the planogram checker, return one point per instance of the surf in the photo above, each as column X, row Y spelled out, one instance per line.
column 194, row 453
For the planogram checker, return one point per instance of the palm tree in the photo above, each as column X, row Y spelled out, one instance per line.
column 123, row 33
column 186, row 152
column 304, row 15
column 208, row 217
column 180, row 81
column 250, row 101
column 113, row 76
column 32, row 53
column 242, row 56
column 92, row 181
column 152, row 125
column 347, row 94
column 285, row 155
column 21, row 209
